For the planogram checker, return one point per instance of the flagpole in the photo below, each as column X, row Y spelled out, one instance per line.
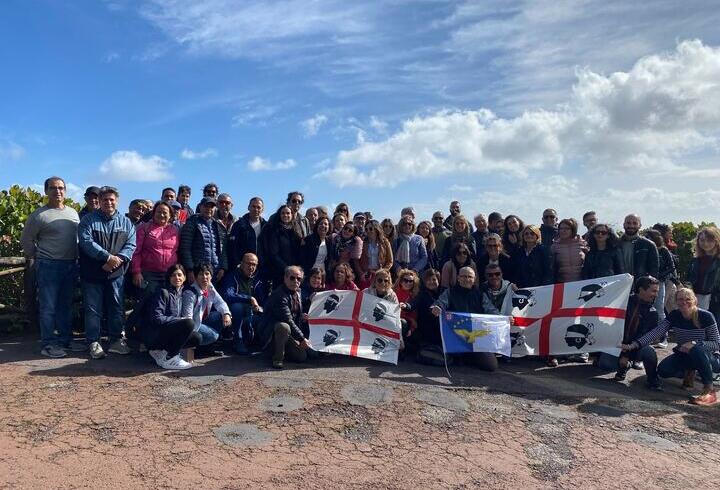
column 442, row 338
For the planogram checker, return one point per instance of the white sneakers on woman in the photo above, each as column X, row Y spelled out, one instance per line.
column 173, row 363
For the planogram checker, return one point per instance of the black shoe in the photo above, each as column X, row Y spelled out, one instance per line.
column 620, row 376
column 654, row 386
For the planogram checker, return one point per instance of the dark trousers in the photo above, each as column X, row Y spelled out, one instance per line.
column 174, row 335
column 675, row 365
column 481, row 360
column 648, row 356
column 285, row 345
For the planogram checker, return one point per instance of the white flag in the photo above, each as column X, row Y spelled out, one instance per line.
column 355, row 324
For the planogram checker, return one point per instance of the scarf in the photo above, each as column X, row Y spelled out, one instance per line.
column 403, row 250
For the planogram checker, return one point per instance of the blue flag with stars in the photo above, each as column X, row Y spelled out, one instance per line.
column 469, row 332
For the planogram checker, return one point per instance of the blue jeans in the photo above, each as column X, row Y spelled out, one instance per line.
column 56, row 281
column 103, row 299
column 210, row 328
column 660, row 302
column 675, row 365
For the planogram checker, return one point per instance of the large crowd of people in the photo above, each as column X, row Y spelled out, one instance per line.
column 200, row 276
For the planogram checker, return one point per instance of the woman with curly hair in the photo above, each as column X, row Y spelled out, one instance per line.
column 512, row 236
column 424, row 229
column 604, row 257
column 531, row 262
column 342, row 278
column 460, row 234
column 347, row 247
column 376, row 252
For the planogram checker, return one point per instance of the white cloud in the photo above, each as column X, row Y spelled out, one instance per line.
column 188, row 154
column 111, row 56
column 9, row 151
column 251, row 29
column 131, row 166
column 661, row 110
column 258, row 164
column 255, row 115
column 460, row 188
column 312, row 125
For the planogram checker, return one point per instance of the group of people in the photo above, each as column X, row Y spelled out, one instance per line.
column 202, row 275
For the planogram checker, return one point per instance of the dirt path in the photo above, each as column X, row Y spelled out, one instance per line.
column 231, row 423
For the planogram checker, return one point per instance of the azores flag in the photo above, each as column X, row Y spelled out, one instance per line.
column 469, row 332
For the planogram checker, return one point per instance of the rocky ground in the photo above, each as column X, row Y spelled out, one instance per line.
column 231, row 422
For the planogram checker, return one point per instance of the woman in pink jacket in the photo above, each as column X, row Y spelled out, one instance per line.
column 157, row 243
column 568, row 252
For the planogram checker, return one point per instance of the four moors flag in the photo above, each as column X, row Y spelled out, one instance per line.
column 569, row 318
column 356, row 324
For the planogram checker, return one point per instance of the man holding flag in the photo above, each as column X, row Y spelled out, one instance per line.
column 465, row 298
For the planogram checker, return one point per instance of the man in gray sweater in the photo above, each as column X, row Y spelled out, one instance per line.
column 49, row 238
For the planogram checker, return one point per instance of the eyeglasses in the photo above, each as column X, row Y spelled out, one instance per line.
column 295, row 278
column 493, row 274
column 408, row 280
column 437, row 218
column 600, row 232
column 56, row 188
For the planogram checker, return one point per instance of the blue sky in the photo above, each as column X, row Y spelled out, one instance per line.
column 509, row 106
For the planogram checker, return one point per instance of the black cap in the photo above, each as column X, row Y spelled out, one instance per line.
column 93, row 189
column 174, row 204
column 208, row 200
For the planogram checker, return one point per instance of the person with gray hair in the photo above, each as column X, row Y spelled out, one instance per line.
column 464, row 297
column 223, row 211
column 280, row 327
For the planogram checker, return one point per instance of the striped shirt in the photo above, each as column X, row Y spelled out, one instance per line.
column 706, row 335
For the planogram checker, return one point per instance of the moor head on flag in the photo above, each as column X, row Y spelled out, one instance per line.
column 579, row 335
column 330, row 337
column 522, row 298
column 331, row 303
column 590, row 291
column 379, row 311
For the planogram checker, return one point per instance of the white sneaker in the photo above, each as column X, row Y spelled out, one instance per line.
column 96, row 351
column 176, row 362
column 158, row 355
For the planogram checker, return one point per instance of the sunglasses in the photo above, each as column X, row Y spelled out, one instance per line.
column 348, row 228
column 493, row 274
column 600, row 232
column 408, row 280
column 461, row 252
column 295, row 278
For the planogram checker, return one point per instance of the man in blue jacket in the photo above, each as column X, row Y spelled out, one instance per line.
column 106, row 241
column 244, row 294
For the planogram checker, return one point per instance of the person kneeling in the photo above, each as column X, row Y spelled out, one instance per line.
column 698, row 344
column 202, row 303
column 282, row 318
column 164, row 330
column 464, row 297
column 242, row 291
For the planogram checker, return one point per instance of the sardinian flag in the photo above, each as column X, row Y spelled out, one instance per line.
column 356, row 324
column 569, row 318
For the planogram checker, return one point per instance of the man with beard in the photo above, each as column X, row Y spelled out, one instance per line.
column 640, row 255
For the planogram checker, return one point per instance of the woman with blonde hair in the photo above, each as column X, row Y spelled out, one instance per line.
column 343, row 208
column 495, row 254
column 424, row 229
column 531, row 261
column 406, row 288
column 408, row 248
column 460, row 234
column 698, row 345
column 704, row 272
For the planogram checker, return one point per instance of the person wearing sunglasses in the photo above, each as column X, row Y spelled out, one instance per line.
column 464, row 297
column 347, row 248
column 460, row 234
column 406, row 288
column 408, row 248
column 439, row 231
column 495, row 254
column 549, row 227
column 281, row 326
column 295, row 200
column 604, row 257
column 280, row 245
column 376, row 252
column 427, row 335
column 495, row 287
column 531, row 261
column 459, row 258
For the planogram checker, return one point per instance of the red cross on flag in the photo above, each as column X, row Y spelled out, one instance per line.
column 569, row 318
column 356, row 324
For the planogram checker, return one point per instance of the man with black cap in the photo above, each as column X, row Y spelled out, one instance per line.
column 92, row 201
column 203, row 240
